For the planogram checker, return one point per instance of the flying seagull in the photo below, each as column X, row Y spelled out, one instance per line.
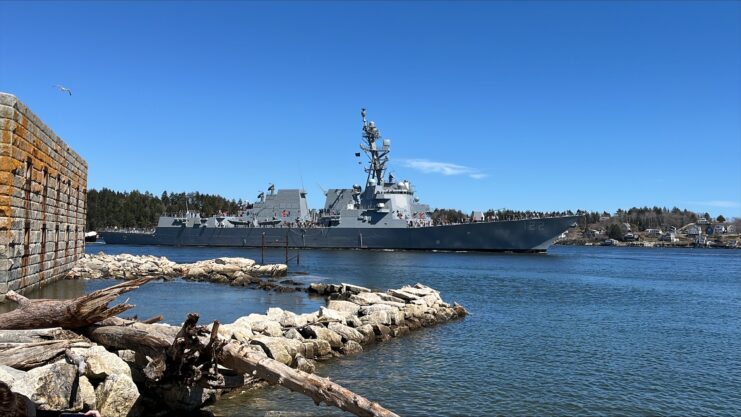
column 63, row 89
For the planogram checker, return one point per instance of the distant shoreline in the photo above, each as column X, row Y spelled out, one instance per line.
column 650, row 245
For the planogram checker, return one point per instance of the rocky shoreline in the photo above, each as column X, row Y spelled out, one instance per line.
column 233, row 271
column 83, row 374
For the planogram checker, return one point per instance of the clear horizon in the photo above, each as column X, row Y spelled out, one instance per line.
column 544, row 106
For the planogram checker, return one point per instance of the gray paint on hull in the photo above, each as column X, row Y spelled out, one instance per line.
column 534, row 235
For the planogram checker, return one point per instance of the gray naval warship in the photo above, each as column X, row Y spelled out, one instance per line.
column 385, row 214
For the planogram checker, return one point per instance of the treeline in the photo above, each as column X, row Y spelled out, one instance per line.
column 133, row 209
column 641, row 217
column 108, row 209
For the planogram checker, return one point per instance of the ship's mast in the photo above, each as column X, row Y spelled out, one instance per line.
column 377, row 157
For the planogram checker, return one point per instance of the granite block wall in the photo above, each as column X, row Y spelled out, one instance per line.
column 43, row 192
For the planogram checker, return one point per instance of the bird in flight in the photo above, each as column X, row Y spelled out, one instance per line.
column 63, row 89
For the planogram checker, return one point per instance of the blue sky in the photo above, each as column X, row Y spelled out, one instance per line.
column 528, row 105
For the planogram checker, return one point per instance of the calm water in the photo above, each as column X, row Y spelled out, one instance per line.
column 580, row 331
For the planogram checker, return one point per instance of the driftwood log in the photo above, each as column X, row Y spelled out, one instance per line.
column 187, row 356
column 68, row 314
column 32, row 355
column 184, row 357
column 236, row 357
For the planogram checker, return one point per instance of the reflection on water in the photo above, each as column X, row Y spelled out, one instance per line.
column 59, row 290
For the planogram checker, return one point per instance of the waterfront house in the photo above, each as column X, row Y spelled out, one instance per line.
column 669, row 237
column 655, row 233
column 719, row 229
column 592, row 233
column 477, row 216
column 694, row 230
column 731, row 229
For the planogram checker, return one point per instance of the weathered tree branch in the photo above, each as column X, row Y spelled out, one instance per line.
column 235, row 356
column 68, row 314
column 178, row 356
column 32, row 355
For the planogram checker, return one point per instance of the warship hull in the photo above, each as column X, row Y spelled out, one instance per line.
column 533, row 235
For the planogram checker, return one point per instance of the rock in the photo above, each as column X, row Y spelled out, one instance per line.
column 351, row 347
column 268, row 328
column 116, row 396
column 315, row 348
column 247, row 320
column 413, row 323
column 194, row 272
column 127, row 355
column 368, row 333
column 345, row 307
column 427, row 320
column 293, row 320
column 237, row 278
column 260, row 323
column 382, row 332
column 102, row 363
column 293, row 334
column 49, row 386
column 10, row 375
column 415, row 310
column 275, row 313
column 431, row 299
column 389, row 297
column 311, row 318
column 346, row 333
column 459, row 310
column 303, row 364
column 353, row 321
column 274, row 348
column 403, row 295
column 400, row 331
column 393, row 304
column 385, row 317
column 293, row 346
column 369, row 309
column 322, row 333
column 355, row 289
column 85, row 399
column 365, row 298
column 237, row 332
column 317, row 288
column 329, row 315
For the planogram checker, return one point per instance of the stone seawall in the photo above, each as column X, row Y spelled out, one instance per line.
column 43, row 190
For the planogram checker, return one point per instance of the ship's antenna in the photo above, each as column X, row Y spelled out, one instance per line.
column 377, row 157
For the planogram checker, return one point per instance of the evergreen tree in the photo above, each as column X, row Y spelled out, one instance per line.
column 615, row 231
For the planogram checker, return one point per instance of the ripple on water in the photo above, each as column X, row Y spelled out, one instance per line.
column 581, row 331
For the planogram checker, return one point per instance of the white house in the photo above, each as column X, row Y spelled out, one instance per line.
column 477, row 216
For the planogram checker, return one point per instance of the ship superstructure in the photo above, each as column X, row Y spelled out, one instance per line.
column 384, row 214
